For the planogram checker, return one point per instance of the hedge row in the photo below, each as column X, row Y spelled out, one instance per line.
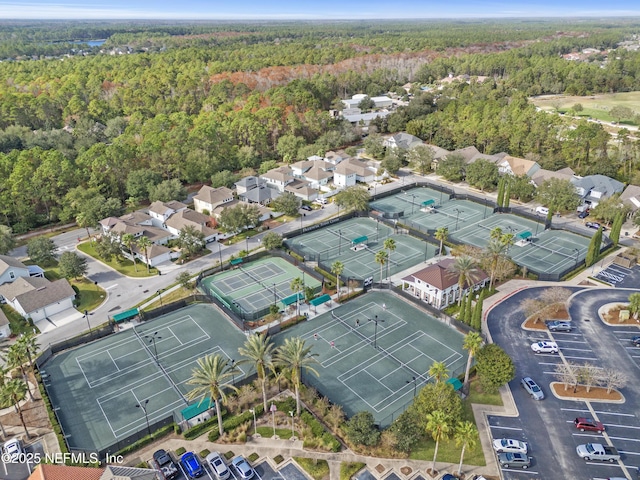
column 233, row 422
column 144, row 441
column 318, row 431
column 203, row 427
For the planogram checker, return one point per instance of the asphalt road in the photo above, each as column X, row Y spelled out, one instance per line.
column 547, row 425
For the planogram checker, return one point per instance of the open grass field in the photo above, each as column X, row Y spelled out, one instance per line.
column 594, row 106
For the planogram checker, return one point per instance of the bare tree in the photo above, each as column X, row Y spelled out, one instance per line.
column 565, row 374
column 555, row 297
column 610, row 379
column 532, row 306
column 588, row 375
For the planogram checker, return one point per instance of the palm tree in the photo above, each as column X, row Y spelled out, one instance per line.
column 495, row 234
column 293, row 355
column 212, row 378
column 390, row 245
column 15, row 391
column 128, row 239
column 438, row 370
column 337, row 268
column 297, row 286
column 634, row 304
column 30, row 346
column 472, row 343
column 438, row 424
column 465, row 269
column 381, row 258
column 441, row 234
column 465, row 434
column 15, row 357
column 258, row 350
column 494, row 250
column 507, row 239
column 144, row 244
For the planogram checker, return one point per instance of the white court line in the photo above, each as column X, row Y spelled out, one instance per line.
column 107, row 419
column 597, row 411
column 114, row 362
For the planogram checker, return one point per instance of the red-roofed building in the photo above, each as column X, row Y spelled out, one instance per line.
column 63, row 472
column 437, row 285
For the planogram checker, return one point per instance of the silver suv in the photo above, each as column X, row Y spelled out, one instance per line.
column 532, row 388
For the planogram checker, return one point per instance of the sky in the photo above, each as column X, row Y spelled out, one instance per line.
column 311, row 9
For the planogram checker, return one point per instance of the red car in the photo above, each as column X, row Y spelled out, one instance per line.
column 588, row 424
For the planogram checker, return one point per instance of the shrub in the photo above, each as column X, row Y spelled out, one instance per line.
column 349, row 469
column 318, row 469
column 316, row 427
column 142, row 465
column 204, row 453
column 229, row 455
column 233, row 422
column 253, row 457
column 278, row 459
column 180, row 451
column 286, row 405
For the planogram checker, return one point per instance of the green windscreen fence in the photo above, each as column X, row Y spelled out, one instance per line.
column 121, row 317
column 197, row 408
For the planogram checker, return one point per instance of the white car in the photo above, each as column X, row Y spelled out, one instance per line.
column 509, row 445
column 218, row 466
column 13, row 449
column 545, row 347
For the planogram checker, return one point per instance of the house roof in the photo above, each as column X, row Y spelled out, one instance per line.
column 631, row 197
column 214, row 196
column 135, row 218
column 260, row 195
column 45, row 471
column 490, row 158
column 153, row 251
column 439, row 276
column 334, row 157
column 406, row 140
column 280, row 174
column 186, row 218
column 467, row 153
column 356, row 117
column 541, row 175
column 3, row 319
column 124, row 227
column 353, row 165
column 438, row 152
column 519, row 166
column 34, row 293
column 249, row 182
column 118, row 472
column 109, row 222
column 317, row 173
column 7, row 261
column 303, row 165
column 162, row 208
column 600, row 183
column 156, row 234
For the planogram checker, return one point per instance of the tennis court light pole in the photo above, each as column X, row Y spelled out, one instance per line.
column 375, row 332
column 577, row 253
column 152, row 339
column 414, row 385
column 233, row 372
column 458, row 212
column 143, row 406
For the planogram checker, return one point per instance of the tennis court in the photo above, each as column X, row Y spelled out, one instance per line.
column 355, row 243
column 97, row 386
column 408, row 202
column 479, row 233
column 381, row 380
column 250, row 288
column 552, row 251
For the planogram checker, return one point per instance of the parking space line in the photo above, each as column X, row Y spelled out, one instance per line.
column 505, row 428
column 628, row 453
column 573, row 341
column 580, row 358
column 521, row 470
column 604, row 464
column 626, row 439
column 620, row 426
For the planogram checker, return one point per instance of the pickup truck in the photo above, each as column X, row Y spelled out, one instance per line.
column 165, row 464
column 597, row 451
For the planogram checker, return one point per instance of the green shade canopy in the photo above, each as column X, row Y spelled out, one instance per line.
column 320, row 300
column 236, row 261
column 121, row 317
column 358, row 240
column 428, row 203
column 197, row 408
column 286, row 301
column 524, row 235
column 457, row 384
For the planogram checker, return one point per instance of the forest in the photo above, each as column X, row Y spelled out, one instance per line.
column 206, row 103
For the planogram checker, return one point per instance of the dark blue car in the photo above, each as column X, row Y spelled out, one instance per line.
column 192, row 465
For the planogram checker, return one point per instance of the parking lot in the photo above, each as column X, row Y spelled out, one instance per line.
column 547, row 425
column 20, row 470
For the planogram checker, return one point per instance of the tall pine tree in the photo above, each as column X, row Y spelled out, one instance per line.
column 477, row 313
column 500, row 192
column 594, row 248
column 469, row 311
column 614, row 235
column 507, row 195
column 463, row 307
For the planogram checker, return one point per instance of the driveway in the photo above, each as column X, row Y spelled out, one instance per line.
column 547, row 425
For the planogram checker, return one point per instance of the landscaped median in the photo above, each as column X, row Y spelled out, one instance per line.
column 121, row 265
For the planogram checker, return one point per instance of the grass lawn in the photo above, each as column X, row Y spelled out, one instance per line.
column 124, row 267
column 447, row 450
column 594, row 106
column 17, row 322
column 267, row 432
column 90, row 295
column 174, row 296
column 318, row 469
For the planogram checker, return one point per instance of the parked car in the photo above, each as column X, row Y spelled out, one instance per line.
column 218, row 466
column 514, row 460
column 636, row 340
column 532, row 388
column 13, row 448
column 165, row 464
column 588, row 424
column 502, row 445
column 242, row 467
column 306, row 207
column 594, row 225
column 584, row 214
column 545, row 347
column 597, row 451
column 192, row 465
column 558, row 326
column 542, row 210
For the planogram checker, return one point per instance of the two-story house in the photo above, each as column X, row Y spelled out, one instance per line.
column 209, row 198
column 595, row 188
column 11, row 269
column 278, row 178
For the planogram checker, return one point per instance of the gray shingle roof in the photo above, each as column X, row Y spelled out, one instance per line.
column 35, row 293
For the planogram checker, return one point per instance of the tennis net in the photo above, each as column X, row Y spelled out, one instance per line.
column 164, row 372
column 573, row 256
column 383, row 350
column 258, row 281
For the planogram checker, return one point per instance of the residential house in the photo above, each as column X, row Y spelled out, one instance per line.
column 595, row 188
column 364, row 119
column 5, row 328
column 353, row 170
column 248, row 183
column 631, row 197
column 38, row 298
column 278, row 178
column 542, row 175
column 517, row 166
column 11, row 269
column 161, row 211
column 438, row 154
column 467, row 153
column 110, row 472
column 265, row 214
column 209, row 198
column 261, row 195
column 154, row 255
column 319, row 175
column 302, row 189
column 402, row 140
column 334, row 158
column 438, row 286
column 382, row 101
column 190, row 218
column 496, row 158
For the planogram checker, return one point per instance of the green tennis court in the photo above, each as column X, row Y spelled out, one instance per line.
column 96, row 386
column 409, row 201
column 249, row 289
column 552, row 251
column 479, row 233
column 360, row 377
column 355, row 243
